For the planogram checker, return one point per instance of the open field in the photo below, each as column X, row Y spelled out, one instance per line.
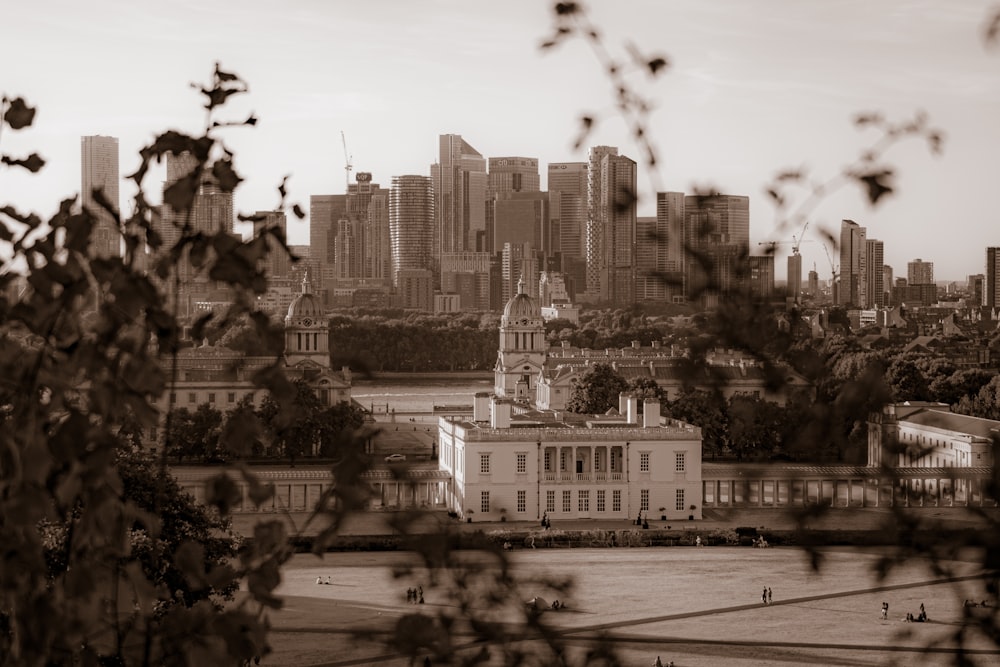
column 694, row 606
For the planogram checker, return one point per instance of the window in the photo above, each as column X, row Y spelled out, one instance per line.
column 522, row 462
column 484, row 501
column 550, row 501
column 192, row 397
column 597, row 460
column 231, row 397
column 484, row 464
column 616, row 500
column 679, row 503
column 522, row 501
column 643, row 461
column 567, row 501
column 600, row 500
column 583, row 501
column 679, row 461
column 211, row 397
column 248, row 396
column 644, row 500
column 548, row 460
column 562, row 460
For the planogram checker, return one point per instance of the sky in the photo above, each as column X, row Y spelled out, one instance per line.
column 753, row 89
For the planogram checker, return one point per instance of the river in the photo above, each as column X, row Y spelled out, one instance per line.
column 419, row 393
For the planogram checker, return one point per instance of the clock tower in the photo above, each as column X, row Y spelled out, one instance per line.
column 522, row 350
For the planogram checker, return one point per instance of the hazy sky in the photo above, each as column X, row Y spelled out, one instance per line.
column 754, row 87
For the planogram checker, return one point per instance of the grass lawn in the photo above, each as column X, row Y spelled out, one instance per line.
column 692, row 606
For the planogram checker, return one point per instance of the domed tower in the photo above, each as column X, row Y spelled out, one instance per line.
column 521, row 355
column 307, row 330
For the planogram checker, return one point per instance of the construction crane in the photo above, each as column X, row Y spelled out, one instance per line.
column 833, row 267
column 347, row 163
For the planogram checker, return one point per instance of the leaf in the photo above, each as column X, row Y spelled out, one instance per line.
column 224, row 76
column 32, row 163
column 225, row 175
column 992, row 32
column 19, row 115
column 299, row 213
column 566, row 8
column 877, row 183
column 656, row 64
column 189, row 559
column 180, row 194
column 222, row 492
column 258, row 491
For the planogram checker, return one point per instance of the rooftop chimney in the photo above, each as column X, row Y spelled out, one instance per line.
column 650, row 413
column 481, row 407
column 500, row 413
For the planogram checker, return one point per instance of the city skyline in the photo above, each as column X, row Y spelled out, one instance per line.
column 732, row 110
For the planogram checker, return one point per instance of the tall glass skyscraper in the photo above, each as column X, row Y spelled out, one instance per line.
column 99, row 170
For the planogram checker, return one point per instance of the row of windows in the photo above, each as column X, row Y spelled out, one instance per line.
column 192, row 397
column 678, row 461
column 583, row 501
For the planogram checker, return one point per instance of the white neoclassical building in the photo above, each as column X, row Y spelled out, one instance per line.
column 513, row 460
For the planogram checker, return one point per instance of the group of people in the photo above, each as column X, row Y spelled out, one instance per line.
column 415, row 595
column 761, row 543
column 659, row 663
column 910, row 618
column 546, row 522
column 329, row 581
column 765, row 597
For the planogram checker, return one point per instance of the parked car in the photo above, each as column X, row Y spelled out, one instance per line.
column 395, row 458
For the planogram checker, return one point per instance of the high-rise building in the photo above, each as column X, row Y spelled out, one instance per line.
column 324, row 213
column 992, row 296
column 378, row 245
column 919, row 272
column 513, row 174
column 459, row 186
column 276, row 264
column 853, row 264
column 717, row 231
column 874, row 274
column 99, row 171
column 567, row 184
column 976, row 284
column 760, row 276
column 813, row 283
column 887, row 283
column 611, row 217
column 468, row 275
column 794, row 278
column 520, row 217
column 411, row 224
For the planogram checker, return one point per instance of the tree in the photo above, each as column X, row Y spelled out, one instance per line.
column 705, row 410
column 294, row 424
column 597, row 390
column 646, row 387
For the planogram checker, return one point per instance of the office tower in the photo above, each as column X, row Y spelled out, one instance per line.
column 468, row 275
column 717, row 234
column 415, row 288
column 567, row 185
column 513, row 174
column 976, row 284
column 919, row 272
column 552, row 288
column 276, row 264
column 597, row 213
column 659, row 251
column 852, row 264
column 611, row 214
column 520, row 217
column 411, row 224
column 760, row 276
column 813, row 283
column 794, row 278
column 887, row 285
column 378, row 246
column 99, row 170
column 459, row 186
column 992, row 296
column 874, row 274
column 324, row 212
column 518, row 262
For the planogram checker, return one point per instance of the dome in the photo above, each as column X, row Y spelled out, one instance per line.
column 520, row 307
column 305, row 304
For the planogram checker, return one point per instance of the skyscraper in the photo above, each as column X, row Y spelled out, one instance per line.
column 992, row 296
column 597, row 213
column 459, row 187
column 378, row 246
column 852, row 264
column 659, row 250
column 324, row 212
column 520, row 217
column 919, row 272
column 794, row 276
column 717, row 232
column 611, row 213
column 99, row 170
column 567, row 184
column 874, row 274
column 276, row 264
column 513, row 174
column 411, row 224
